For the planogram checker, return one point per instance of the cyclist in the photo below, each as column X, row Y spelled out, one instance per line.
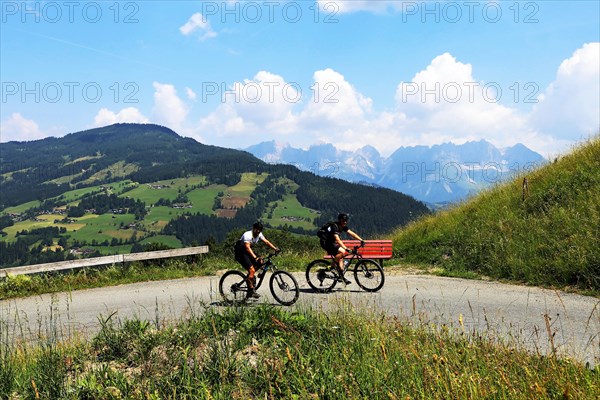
column 248, row 258
column 333, row 245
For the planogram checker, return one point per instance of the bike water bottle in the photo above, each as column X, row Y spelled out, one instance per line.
column 346, row 262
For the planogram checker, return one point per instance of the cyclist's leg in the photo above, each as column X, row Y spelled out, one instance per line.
column 244, row 259
column 339, row 264
column 333, row 249
column 252, row 283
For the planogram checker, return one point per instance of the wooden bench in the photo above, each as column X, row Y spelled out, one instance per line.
column 378, row 250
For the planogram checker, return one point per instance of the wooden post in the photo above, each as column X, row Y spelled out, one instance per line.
column 525, row 189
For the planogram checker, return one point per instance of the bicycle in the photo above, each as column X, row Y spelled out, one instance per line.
column 322, row 275
column 233, row 285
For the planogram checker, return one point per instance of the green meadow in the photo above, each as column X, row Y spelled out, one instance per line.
column 290, row 212
column 21, row 208
column 149, row 193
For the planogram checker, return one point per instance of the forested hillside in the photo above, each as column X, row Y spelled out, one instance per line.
column 129, row 187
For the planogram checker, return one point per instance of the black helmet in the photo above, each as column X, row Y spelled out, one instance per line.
column 343, row 217
column 258, row 225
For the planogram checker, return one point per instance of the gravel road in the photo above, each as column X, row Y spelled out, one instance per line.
column 537, row 319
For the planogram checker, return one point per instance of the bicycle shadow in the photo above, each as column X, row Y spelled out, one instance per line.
column 244, row 303
column 334, row 290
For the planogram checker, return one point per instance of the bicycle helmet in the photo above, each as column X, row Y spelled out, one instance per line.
column 343, row 217
column 258, row 225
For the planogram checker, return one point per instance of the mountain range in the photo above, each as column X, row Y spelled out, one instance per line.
column 433, row 174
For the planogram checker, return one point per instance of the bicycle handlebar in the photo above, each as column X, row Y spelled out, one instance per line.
column 355, row 249
column 270, row 255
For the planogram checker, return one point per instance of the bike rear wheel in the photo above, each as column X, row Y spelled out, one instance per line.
column 321, row 277
column 284, row 287
column 369, row 275
column 233, row 286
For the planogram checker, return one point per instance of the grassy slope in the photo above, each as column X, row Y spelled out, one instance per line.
column 552, row 237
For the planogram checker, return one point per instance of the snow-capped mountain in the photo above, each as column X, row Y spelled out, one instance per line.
column 434, row 174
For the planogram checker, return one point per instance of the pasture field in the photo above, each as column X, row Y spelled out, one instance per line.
column 80, row 159
column 290, row 212
column 246, row 185
column 167, row 240
column 170, row 188
column 65, row 179
column 158, row 217
column 21, row 208
column 104, row 227
column 8, row 175
column 204, row 198
column 73, row 196
column 117, row 170
column 111, row 250
column 238, row 196
column 44, row 221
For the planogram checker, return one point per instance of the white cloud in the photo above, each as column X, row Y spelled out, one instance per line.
column 446, row 100
column 19, row 128
column 169, row 109
column 252, row 108
column 108, row 117
column 335, row 101
column 569, row 107
column 197, row 22
column 332, row 8
column 190, row 93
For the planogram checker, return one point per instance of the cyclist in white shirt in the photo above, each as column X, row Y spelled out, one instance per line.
column 248, row 258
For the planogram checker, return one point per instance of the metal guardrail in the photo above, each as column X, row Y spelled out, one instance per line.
column 90, row 262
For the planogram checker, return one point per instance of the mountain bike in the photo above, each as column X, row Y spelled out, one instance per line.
column 233, row 285
column 322, row 275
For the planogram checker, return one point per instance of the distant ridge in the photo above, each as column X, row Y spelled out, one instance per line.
column 441, row 173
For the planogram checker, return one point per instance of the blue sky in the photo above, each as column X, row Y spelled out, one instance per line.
column 352, row 73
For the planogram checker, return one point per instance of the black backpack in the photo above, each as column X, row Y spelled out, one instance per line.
column 325, row 232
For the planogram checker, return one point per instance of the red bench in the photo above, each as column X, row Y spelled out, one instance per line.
column 373, row 249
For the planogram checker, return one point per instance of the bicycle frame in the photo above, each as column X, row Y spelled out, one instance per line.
column 350, row 261
column 262, row 272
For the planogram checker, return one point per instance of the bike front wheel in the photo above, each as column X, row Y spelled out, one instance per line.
column 369, row 275
column 321, row 277
column 233, row 286
column 284, row 287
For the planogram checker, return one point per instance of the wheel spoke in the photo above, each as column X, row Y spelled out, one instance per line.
column 320, row 276
column 233, row 286
column 369, row 275
column 284, row 288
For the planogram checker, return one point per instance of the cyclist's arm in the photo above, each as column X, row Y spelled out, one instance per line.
column 271, row 245
column 249, row 250
column 340, row 243
column 354, row 235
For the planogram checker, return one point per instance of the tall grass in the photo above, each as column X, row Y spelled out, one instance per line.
column 270, row 353
column 548, row 236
